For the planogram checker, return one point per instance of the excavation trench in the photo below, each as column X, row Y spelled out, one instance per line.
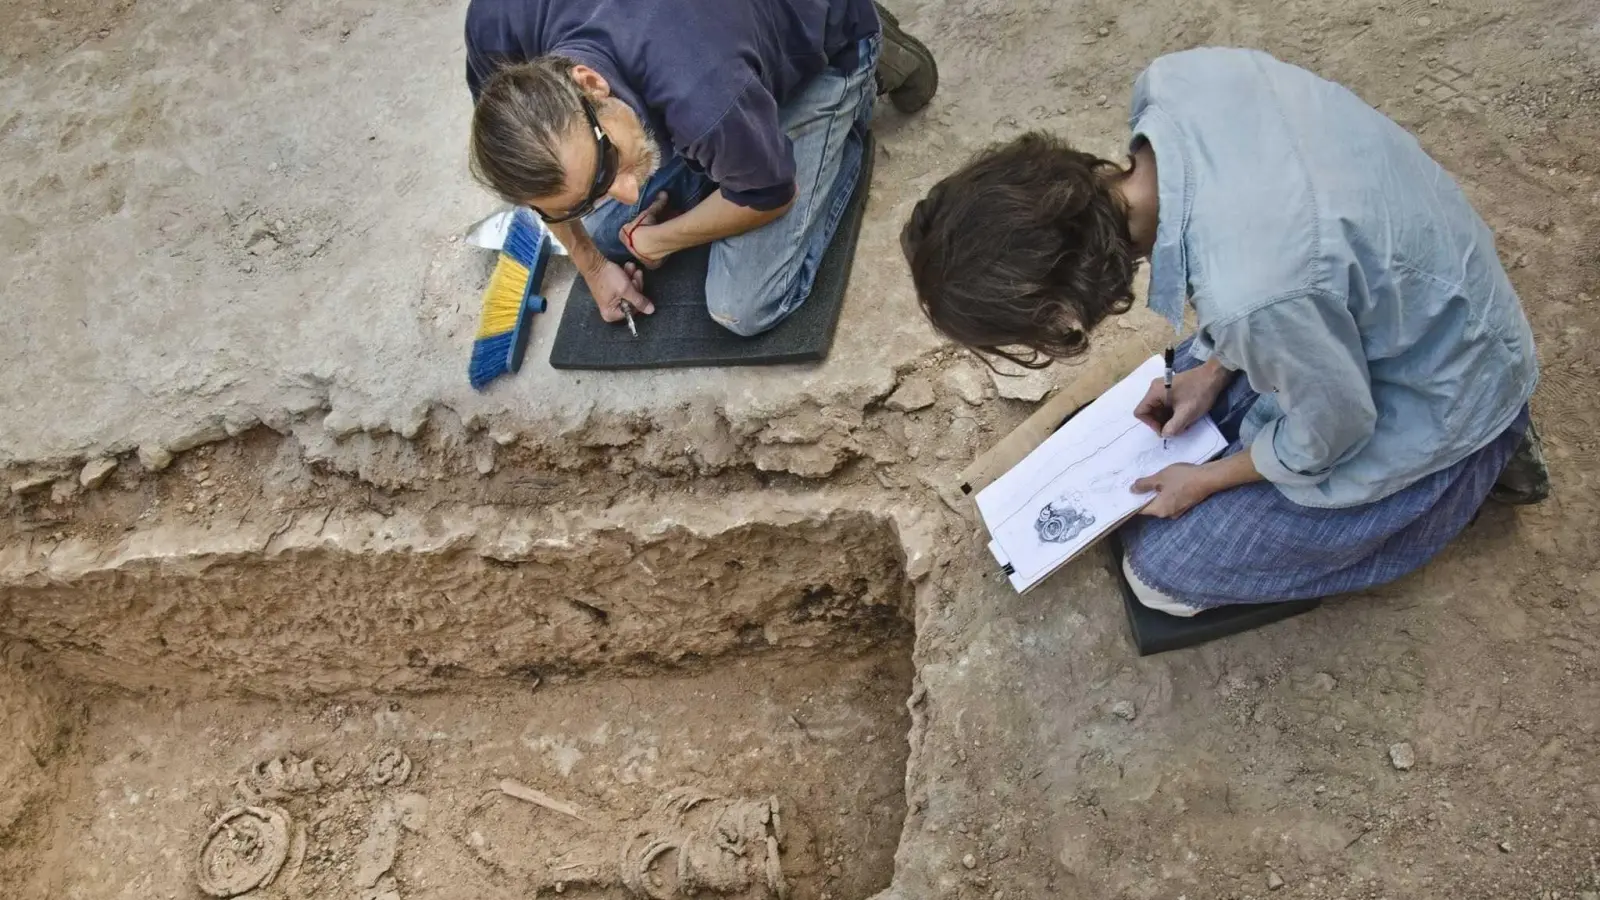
column 707, row 704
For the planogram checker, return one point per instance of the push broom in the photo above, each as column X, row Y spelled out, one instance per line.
column 510, row 301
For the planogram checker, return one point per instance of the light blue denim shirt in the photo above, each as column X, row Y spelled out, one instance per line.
column 1335, row 264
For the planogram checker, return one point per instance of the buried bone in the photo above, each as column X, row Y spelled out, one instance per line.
column 243, row 851
column 690, row 844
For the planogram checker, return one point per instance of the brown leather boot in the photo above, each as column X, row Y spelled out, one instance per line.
column 906, row 70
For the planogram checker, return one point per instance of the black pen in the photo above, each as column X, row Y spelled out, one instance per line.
column 1171, row 410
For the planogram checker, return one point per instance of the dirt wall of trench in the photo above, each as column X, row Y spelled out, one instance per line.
column 34, row 734
column 384, row 604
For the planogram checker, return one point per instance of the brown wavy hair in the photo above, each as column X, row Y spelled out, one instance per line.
column 1023, row 251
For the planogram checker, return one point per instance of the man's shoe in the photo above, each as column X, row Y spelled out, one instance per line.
column 906, row 70
column 1525, row 479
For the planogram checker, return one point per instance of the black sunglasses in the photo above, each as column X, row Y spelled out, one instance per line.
column 605, row 171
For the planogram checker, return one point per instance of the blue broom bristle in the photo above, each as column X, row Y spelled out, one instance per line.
column 524, row 237
column 491, row 358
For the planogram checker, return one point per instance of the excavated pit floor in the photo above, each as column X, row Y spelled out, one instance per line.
column 822, row 734
column 751, row 667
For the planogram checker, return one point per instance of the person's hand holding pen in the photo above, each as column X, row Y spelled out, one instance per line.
column 1192, row 395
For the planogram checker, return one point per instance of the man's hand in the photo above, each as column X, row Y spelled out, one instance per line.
column 637, row 232
column 1193, row 393
column 613, row 285
column 1178, row 488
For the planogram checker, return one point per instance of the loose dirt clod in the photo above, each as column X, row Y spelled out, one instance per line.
column 244, row 850
column 376, row 854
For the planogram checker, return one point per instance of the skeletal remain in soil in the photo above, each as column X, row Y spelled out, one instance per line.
column 277, row 778
column 243, row 851
column 690, row 844
column 390, row 769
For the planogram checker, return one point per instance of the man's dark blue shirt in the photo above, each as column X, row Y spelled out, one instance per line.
column 707, row 76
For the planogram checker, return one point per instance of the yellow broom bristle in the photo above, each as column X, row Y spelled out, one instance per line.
column 502, row 300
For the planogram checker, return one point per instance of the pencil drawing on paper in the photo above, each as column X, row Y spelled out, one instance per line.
column 1077, row 486
column 1062, row 520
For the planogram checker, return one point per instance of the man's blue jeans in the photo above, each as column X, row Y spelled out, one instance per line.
column 758, row 278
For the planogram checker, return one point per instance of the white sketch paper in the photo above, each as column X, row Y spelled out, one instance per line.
column 1077, row 486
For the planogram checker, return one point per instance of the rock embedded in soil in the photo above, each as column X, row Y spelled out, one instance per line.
column 1274, row 881
column 96, row 471
column 1402, row 756
column 1124, row 710
column 912, row 394
column 967, row 383
column 31, row 483
column 154, row 457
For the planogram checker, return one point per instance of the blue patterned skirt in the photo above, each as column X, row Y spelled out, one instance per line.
column 1250, row 544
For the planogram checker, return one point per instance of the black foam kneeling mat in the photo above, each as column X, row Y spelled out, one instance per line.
column 1157, row 632
column 682, row 333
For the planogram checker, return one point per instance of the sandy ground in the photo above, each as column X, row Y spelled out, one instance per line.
column 229, row 270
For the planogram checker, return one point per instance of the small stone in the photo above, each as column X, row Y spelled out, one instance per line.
column 1103, row 100
column 1505, row 846
column 1424, row 21
column 1124, row 710
column 1402, row 756
column 96, row 471
column 1103, row 31
column 154, row 457
column 31, row 483
column 912, row 394
column 1324, row 682
column 1274, row 881
column 967, row 383
column 189, row 507
column 1418, row 89
column 1027, row 385
column 63, row 490
column 969, row 861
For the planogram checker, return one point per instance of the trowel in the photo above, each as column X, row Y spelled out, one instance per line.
column 490, row 233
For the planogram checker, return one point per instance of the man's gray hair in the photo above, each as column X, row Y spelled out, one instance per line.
column 523, row 112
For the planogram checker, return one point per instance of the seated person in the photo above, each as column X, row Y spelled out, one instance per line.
column 638, row 128
column 1358, row 340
